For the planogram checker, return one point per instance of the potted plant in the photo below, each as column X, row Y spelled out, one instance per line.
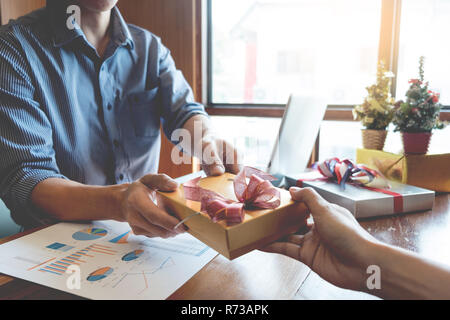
column 418, row 115
column 377, row 111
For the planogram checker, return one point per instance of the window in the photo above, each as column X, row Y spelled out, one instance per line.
column 424, row 32
column 262, row 51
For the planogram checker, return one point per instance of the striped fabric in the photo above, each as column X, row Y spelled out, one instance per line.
column 66, row 113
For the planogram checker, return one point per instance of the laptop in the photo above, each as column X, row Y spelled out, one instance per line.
column 297, row 136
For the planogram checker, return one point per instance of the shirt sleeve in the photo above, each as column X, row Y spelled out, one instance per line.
column 26, row 146
column 176, row 94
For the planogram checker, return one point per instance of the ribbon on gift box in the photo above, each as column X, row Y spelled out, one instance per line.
column 259, row 193
column 346, row 171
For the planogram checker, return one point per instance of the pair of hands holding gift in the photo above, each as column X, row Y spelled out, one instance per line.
column 330, row 247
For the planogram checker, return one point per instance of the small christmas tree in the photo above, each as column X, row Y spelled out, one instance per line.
column 420, row 112
column 377, row 111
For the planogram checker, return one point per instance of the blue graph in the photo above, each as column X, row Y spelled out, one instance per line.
column 133, row 255
column 59, row 246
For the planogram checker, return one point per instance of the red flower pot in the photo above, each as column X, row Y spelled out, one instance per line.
column 416, row 143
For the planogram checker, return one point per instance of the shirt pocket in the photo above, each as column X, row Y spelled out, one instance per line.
column 145, row 112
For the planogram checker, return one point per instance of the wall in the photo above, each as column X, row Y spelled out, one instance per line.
column 11, row 9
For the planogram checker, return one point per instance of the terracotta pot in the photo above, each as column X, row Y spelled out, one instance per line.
column 416, row 143
column 374, row 139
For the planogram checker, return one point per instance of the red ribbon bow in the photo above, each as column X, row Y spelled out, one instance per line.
column 258, row 193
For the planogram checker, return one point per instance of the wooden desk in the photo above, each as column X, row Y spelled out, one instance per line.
column 265, row 276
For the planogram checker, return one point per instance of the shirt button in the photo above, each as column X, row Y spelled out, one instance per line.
column 109, row 107
column 116, row 143
column 121, row 177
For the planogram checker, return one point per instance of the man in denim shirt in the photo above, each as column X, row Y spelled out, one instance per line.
column 81, row 104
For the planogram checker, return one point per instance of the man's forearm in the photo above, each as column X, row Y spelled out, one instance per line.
column 72, row 201
column 200, row 132
column 405, row 275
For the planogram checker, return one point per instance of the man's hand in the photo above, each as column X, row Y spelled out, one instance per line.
column 140, row 211
column 336, row 247
column 219, row 156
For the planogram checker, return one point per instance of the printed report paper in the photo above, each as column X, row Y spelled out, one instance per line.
column 104, row 260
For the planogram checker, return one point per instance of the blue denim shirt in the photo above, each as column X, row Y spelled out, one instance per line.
column 67, row 113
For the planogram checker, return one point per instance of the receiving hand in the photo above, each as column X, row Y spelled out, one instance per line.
column 336, row 247
column 141, row 212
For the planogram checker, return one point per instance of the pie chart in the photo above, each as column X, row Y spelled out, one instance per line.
column 133, row 255
column 122, row 238
column 89, row 234
column 100, row 274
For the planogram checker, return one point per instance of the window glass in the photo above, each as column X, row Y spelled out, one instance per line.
column 262, row 51
column 341, row 139
column 255, row 137
column 424, row 30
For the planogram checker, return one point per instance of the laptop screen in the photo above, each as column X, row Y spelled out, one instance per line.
column 297, row 135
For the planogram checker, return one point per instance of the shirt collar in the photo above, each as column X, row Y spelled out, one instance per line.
column 63, row 35
column 58, row 17
column 120, row 33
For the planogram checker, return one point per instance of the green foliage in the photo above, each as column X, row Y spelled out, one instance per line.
column 420, row 112
column 377, row 111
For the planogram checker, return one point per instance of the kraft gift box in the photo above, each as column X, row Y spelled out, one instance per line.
column 365, row 203
column 259, row 228
column 431, row 171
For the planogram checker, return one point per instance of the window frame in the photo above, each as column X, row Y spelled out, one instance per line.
column 388, row 51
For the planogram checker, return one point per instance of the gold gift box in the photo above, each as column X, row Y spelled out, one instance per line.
column 259, row 228
column 426, row 171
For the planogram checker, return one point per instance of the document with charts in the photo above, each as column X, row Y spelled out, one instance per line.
column 104, row 260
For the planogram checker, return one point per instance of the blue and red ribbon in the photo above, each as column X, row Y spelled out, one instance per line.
column 345, row 171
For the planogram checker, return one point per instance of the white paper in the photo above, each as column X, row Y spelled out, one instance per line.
column 131, row 267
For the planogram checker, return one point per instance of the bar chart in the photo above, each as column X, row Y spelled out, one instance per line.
column 80, row 257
